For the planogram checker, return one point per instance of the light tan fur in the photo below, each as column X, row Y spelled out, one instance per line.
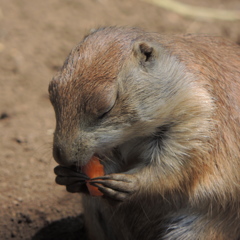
column 165, row 112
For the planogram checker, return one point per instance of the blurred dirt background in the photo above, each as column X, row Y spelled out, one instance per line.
column 35, row 38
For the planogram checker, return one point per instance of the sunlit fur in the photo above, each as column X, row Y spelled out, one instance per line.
column 172, row 119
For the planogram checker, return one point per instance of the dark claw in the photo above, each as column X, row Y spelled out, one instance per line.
column 116, row 177
column 102, row 177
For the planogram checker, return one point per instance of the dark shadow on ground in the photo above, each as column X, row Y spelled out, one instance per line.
column 70, row 228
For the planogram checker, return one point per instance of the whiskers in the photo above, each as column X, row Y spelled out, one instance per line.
column 108, row 160
column 43, row 153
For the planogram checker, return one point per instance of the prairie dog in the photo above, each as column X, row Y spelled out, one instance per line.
column 163, row 115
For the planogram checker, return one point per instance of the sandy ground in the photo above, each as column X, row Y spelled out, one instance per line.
column 35, row 38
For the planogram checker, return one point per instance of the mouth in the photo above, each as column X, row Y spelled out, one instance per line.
column 93, row 169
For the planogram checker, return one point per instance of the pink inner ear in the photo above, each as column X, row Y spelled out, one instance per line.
column 146, row 50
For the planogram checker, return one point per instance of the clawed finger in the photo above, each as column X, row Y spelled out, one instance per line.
column 102, row 177
column 115, row 177
column 111, row 193
column 116, row 185
column 68, row 180
column 68, row 172
column 77, row 187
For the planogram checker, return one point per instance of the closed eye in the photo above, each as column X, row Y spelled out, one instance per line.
column 101, row 116
column 106, row 112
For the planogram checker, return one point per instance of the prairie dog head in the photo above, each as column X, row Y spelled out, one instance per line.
column 117, row 85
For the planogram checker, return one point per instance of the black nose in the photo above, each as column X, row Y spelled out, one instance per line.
column 59, row 155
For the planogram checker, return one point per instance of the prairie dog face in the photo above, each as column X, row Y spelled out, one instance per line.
column 111, row 89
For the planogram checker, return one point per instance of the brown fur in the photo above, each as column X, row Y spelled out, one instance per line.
column 173, row 124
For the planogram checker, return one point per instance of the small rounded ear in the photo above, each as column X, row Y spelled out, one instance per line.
column 145, row 52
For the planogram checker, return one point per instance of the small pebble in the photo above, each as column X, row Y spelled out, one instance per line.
column 3, row 116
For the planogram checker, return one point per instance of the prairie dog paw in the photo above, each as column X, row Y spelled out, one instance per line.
column 118, row 187
column 73, row 180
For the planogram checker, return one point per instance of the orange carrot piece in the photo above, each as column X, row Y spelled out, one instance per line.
column 93, row 169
